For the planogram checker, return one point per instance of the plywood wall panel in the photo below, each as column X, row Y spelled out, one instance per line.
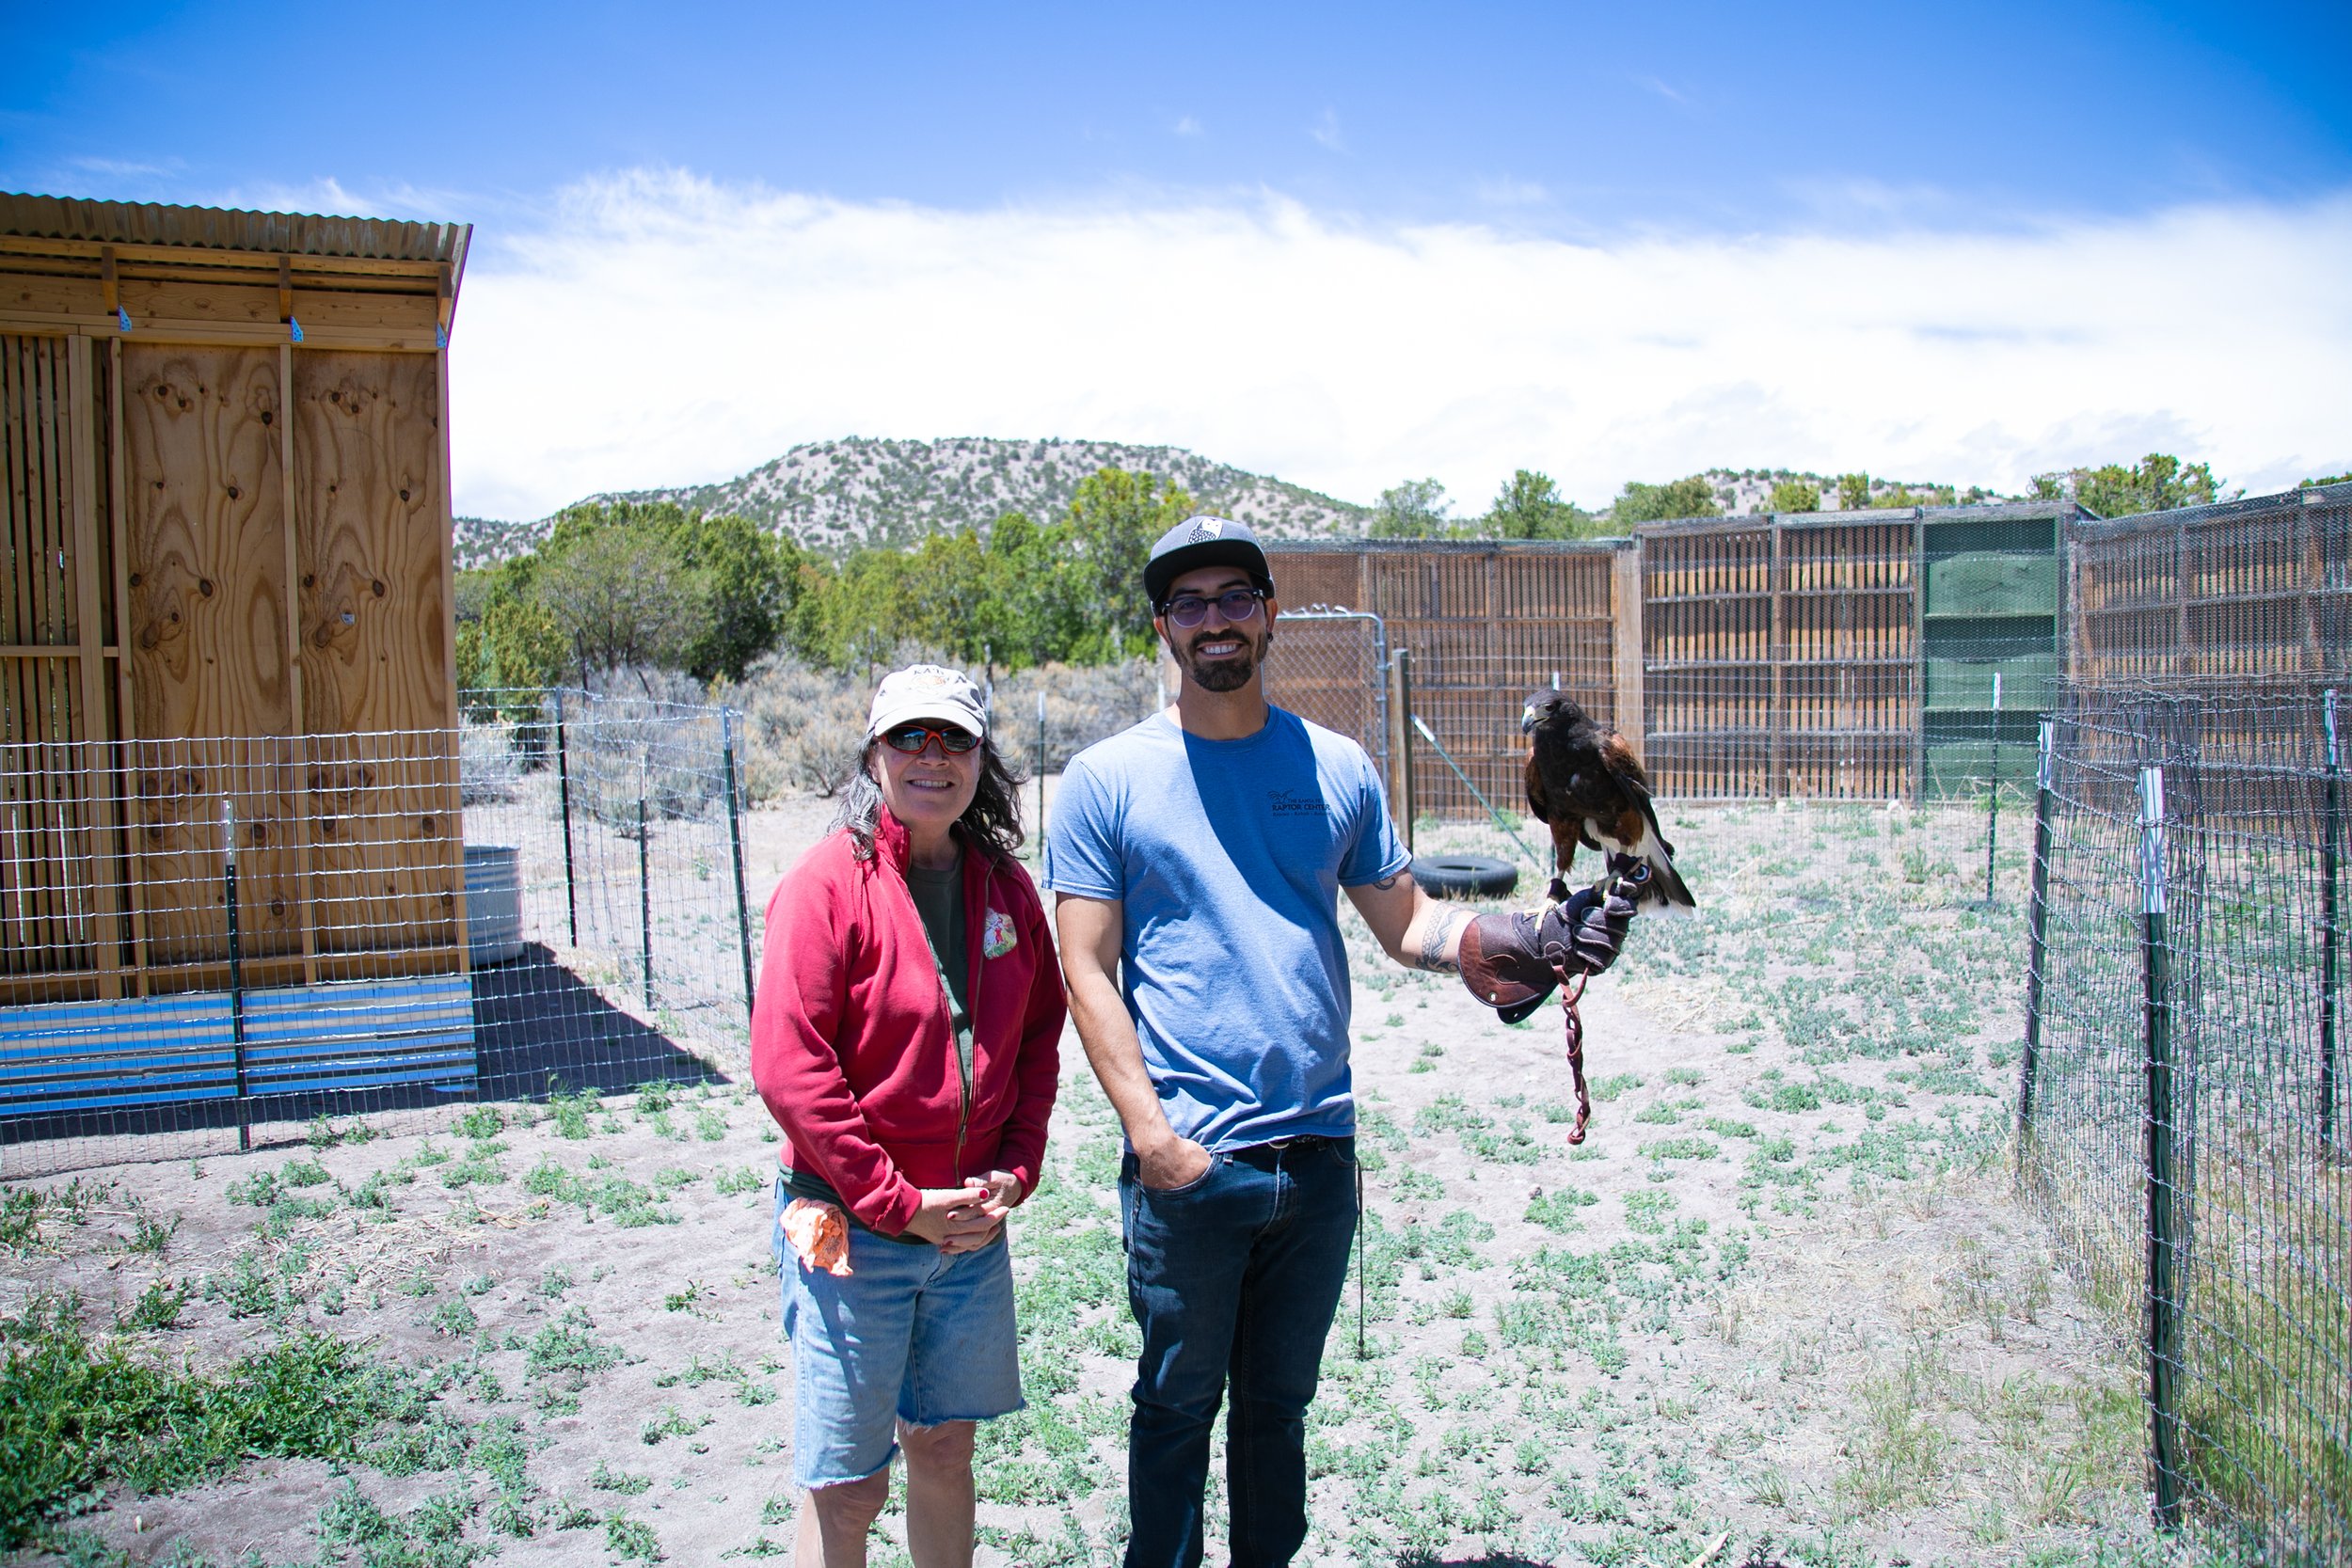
column 204, row 436
column 203, row 432
column 369, row 543
column 370, row 547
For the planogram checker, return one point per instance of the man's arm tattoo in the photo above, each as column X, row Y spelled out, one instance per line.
column 1386, row 883
column 1433, row 939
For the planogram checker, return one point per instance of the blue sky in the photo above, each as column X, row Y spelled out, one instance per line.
column 1599, row 131
column 1701, row 116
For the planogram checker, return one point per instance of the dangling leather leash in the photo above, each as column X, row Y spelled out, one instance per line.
column 1572, row 1025
column 1627, row 884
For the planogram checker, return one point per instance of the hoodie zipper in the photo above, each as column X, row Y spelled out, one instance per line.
column 966, row 1042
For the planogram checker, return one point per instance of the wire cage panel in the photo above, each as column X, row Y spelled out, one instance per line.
column 2183, row 1120
column 1486, row 623
column 2257, row 589
column 546, row 900
column 1781, row 657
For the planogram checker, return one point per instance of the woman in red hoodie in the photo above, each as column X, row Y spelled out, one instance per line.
column 904, row 1037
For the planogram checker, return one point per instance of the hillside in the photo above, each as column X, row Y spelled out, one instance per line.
column 833, row 496
column 1740, row 491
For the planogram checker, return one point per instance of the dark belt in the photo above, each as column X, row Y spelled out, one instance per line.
column 1301, row 1143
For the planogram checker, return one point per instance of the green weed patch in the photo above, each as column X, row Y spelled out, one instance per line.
column 77, row 1416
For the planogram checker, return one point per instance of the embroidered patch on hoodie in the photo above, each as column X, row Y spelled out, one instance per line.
column 997, row 934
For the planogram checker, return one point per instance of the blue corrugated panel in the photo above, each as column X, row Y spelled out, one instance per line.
column 145, row 1051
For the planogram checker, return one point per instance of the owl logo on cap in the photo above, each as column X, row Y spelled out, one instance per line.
column 1205, row 529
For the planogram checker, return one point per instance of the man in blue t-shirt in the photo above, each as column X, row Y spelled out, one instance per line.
column 1197, row 860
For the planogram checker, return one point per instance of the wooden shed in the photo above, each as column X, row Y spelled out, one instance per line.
column 227, row 527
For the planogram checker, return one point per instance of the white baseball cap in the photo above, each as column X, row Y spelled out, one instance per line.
column 926, row 691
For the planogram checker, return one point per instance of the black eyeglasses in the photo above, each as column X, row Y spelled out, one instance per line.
column 912, row 738
column 1235, row 604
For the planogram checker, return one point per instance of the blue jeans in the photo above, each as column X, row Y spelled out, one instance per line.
column 1234, row 1278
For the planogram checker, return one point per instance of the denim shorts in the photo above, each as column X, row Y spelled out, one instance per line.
column 912, row 1334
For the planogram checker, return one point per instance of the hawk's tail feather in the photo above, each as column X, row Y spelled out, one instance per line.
column 1673, row 896
column 1666, row 893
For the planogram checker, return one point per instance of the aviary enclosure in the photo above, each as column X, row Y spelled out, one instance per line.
column 226, row 735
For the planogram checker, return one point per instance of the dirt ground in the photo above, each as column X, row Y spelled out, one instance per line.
column 1780, row 1307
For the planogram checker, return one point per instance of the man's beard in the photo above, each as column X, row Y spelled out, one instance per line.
column 1227, row 674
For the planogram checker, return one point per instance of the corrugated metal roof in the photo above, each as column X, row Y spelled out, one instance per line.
column 58, row 217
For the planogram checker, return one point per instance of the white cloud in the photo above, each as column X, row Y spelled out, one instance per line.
column 1325, row 133
column 656, row 328
column 1187, row 126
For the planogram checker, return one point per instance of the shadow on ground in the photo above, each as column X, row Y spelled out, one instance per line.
column 540, row 1028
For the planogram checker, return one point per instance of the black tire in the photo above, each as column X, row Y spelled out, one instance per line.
column 1466, row 876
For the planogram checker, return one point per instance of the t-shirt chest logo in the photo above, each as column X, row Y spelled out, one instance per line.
column 998, row 936
column 1289, row 802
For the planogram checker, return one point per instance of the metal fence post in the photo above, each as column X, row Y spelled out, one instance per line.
column 2036, row 931
column 564, row 794
column 2162, row 1321
column 1402, row 662
column 1040, row 769
column 236, row 969
column 645, row 898
column 2330, row 920
column 735, row 844
column 1992, row 791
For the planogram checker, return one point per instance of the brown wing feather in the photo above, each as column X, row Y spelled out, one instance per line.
column 1616, row 753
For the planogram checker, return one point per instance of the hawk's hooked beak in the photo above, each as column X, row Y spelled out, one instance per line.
column 1527, row 720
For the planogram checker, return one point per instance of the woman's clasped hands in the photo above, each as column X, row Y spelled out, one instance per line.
column 967, row 1218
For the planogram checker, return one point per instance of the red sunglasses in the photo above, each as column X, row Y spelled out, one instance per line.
column 913, row 738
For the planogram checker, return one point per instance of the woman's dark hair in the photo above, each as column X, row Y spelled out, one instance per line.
column 991, row 821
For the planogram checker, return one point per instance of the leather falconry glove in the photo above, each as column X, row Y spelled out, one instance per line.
column 1512, row 962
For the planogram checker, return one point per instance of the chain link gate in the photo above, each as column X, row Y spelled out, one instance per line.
column 1331, row 667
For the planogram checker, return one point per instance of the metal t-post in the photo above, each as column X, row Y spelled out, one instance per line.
column 1992, row 791
column 236, row 969
column 644, row 899
column 1040, row 769
column 1402, row 661
column 2331, row 919
column 2162, row 1324
column 735, row 844
column 2036, row 931
column 564, row 794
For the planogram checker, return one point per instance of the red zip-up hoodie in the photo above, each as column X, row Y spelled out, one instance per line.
column 853, row 1046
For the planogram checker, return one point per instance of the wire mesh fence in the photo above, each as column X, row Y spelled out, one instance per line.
column 2182, row 1115
column 2257, row 590
column 1331, row 668
column 239, row 936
